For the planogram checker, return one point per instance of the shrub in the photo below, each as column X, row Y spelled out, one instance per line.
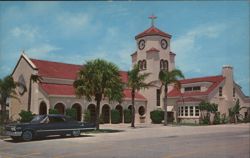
column 115, row 116
column 71, row 112
column 224, row 119
column 87, row 116
column 157, row 116
column 127, row 116
column 217, row 118
column 26, row 116
column 53, row 111
column 205, row 120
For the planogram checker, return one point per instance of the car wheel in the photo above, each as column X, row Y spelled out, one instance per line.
column 27, row 136
column 76, row 133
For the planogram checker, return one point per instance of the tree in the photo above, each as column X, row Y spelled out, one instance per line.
column 234, row 112
column 99, row 79
column 206, row 109
column 136, row 81
column 166, row 78
column 7, row 90
column 33, row 78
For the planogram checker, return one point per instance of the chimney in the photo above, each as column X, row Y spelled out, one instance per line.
column 227, row 72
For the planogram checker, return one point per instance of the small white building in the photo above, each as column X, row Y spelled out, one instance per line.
column 153, row 54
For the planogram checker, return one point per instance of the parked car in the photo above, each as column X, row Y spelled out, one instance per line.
column 45, row 125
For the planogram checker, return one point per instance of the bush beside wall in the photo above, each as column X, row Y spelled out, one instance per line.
column 157, row 116
column 115, row 116
column 127, row 116
column 26, row 116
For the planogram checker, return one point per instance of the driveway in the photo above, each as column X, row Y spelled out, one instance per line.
column 145, row 141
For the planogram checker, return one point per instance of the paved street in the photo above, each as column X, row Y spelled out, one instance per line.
column 146, row 141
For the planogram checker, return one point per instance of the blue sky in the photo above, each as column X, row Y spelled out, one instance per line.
column 205, row 35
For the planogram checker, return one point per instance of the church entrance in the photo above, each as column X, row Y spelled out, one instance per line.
column 92, row 111
column 120, row 109
column 60, row 108
column 78, row 109
column 43, row 109
column 106, row 114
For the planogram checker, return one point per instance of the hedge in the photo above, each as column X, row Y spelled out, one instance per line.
column 26, row 116
column 53, row 111
column 71, row 112
column 87, row 116
column 127, row 116
column 115, row 116
column 157, row 116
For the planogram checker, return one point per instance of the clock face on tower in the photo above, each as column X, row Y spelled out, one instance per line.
column 141, row 44
column 164, row 44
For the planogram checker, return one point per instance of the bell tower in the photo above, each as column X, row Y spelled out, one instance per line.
column 152, row 55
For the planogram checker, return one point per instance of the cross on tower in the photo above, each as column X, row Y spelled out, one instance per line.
column 152, row 17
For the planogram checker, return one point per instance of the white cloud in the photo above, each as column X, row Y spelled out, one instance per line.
column 41, row 51
column 71, row 23
column 187, row 45
column 25, row 32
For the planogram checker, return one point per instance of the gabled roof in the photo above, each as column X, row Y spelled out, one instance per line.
column 68, row 90
column 151, row 32
column 59, row 70
column 56, row 69
column 152, row 50
column 215, row 80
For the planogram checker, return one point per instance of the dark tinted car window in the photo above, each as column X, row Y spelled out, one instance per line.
column 56, row 119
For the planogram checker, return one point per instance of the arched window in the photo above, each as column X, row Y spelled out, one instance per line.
column 165, row 64
column 144, row 62
column 161, row 64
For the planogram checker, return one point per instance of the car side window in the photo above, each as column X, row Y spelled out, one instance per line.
column 55, row 119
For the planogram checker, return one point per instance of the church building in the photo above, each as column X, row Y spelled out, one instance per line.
column 153, row 54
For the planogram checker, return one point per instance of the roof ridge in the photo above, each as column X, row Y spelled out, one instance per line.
column 55, row 62
column 202, row 77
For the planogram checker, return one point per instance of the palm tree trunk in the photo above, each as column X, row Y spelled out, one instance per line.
column 133, row 108
column 165, row 106
column 29, row 95
column 98, row 101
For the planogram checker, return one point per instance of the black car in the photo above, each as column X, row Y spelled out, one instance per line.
column 44, row 125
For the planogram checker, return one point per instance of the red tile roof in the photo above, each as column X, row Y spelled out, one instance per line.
column 152, row 50
column 58, row 89
column 56, row 69
column 151, row 32
column 189, row 99
column 62, row 70
column 215, row 80
column 127, row 94
column 68, row 90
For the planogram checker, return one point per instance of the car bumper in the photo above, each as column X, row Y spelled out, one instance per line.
column 10, row 133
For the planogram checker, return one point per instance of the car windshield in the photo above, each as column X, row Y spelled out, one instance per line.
column 37, row 118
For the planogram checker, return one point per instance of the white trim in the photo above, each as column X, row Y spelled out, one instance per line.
column 30, row 62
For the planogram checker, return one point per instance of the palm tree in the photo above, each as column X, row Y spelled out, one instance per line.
column 234, row 112
column 167, row 78
column 136, row 81
column 34, row 78
column 99, row 79
column 7, row 90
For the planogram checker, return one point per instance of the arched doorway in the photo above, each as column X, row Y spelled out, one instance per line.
column 60, row 108
column 106, row 114
column 43, row 108
column 130, row 107
column 92, row 111
column 78, row 109
column 120, row 109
